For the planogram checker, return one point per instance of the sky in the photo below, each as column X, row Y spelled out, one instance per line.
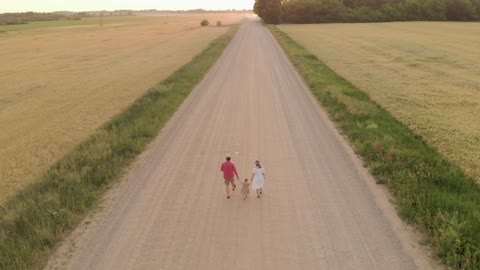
column 90, row 5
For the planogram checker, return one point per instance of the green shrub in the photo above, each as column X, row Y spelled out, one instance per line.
column 204, row 23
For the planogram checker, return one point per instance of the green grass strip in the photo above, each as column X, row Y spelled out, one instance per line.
column 430, row 191
column 38, row 218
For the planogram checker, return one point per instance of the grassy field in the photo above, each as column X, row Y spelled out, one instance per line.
column 60, row 84
column 430, row 191
column 140, row 19
column 427, row 74
column 85, row 21
column 32, row 222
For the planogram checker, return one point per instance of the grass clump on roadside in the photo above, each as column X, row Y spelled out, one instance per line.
column 430, row 191
column 36, row 219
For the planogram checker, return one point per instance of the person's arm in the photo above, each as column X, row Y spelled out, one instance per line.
column 221, row 168
column 235, row 171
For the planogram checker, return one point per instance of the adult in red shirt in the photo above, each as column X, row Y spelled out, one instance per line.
column 229, row 171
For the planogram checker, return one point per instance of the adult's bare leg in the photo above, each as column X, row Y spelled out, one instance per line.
column 227, row 184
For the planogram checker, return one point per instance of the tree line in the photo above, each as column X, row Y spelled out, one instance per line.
column 26, row 17
column 329, row 11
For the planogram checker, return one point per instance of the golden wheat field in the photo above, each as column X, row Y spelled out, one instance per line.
column 427, row 74
column 59, row 84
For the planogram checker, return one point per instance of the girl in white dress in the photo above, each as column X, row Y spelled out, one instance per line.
column 258, row 178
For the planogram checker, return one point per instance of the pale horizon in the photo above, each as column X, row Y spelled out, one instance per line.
column 95, row 5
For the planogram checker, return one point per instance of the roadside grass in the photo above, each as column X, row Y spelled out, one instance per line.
column 430, row 191
column 39, row 217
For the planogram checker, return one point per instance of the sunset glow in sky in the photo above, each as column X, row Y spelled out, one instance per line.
column 90, row 5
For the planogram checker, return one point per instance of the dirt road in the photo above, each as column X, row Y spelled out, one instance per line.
column 320, row 210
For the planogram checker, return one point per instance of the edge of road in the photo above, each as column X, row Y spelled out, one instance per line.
column 33, row 222
column 444, row 232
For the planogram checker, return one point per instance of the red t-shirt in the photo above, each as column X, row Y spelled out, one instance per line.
column 229, row 170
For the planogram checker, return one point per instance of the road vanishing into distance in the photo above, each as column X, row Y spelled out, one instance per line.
column 320, row 210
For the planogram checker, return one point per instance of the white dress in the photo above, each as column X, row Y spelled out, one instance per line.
column 258, row 178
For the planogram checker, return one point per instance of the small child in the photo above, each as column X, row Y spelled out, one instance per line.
column 245, row 189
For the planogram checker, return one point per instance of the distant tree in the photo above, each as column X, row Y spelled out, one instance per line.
column 373, row 4
column 259, row 7
column 269, row 10
column 348, row 3
column 298, row 12
column 325, row 11
column 392, row 13
column 459, row 10
column 204, row 23
column 413, row 10
column 273, row 11
column 365, row 14
column 434, row 10
column 316, row 11
column 476, row 8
